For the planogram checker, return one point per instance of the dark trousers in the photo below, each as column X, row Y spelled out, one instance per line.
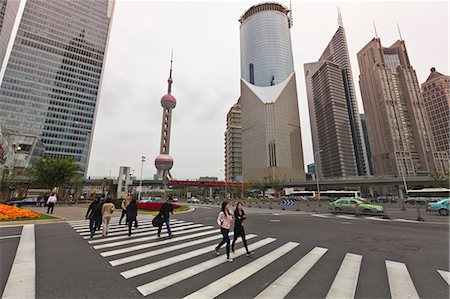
column 225, row 239
column 124, row 214
column 167, row 222
column 94, row 224
column 50, row 207
column 130, row 224
column 239, row 232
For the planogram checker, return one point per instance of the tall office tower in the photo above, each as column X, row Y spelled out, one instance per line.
column 271, row 137
column 436, row 95
column 335, row 125
column 233, row 145
column 52, row 71
column 366, row 142
column 399, row 131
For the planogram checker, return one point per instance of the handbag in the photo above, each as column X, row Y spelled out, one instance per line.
column 156, row 222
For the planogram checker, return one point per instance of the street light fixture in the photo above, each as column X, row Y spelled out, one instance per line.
column 317, row 175
column 140, row 183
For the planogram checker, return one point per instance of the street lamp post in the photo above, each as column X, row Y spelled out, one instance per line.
column 225, row 180
column 140, row 183
column 317, row 175
column 242, row 185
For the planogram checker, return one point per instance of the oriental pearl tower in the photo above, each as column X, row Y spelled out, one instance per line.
column 164, row 161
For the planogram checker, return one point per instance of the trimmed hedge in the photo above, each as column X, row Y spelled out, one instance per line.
column 153, row 206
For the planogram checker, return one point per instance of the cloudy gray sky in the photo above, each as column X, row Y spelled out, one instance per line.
column 205, row 38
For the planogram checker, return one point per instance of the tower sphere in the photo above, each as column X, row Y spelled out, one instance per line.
column 163, row 162
column 168, row 101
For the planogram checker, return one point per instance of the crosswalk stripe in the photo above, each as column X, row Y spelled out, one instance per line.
column 147, row 254
column 149, row 245
column 400, row 283
column 22, row 277
column 141, row 231
column 405, row 220
column 166, row 281
column 181, row 230
column 445, row 275
column 85, row 229
column 115, row 218
column 141, row 228
column 376, row 218
column 174, row 259
column 286, row 282
column 321, row 215
column 344, row 285
column 346, row 217
column 225, row 283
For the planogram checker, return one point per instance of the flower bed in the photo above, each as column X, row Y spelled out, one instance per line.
column 11, row 213
column 153, row 206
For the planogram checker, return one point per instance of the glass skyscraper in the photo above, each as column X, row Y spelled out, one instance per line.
column 51, row 72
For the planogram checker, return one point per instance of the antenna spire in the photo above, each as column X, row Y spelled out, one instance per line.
column 169, row 89
column 340, row 23
column 375, row 28
column 399, row 32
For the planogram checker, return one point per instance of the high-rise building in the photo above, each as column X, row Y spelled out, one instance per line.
column 51, row 71
column 233, row 145
column 436, row 95
column 366, row 142
column 335, row 125
column 271, row 137
column 399, row 131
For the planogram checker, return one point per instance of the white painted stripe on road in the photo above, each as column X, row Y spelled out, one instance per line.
column 228, row 281
column 22, row 277
column 174, row 259
column 124, row 231
column 376, row 218
column 144, row 255
column 141, row 231
column 114, row 218
column 344, row 285
column 321, row 215
column 346, row 217
column 144, row 246
column 166, row 281
column 85, row 229
column 180, row 231
column 400, row 282
column 405, row 220
column 9, row 237
column 286, row 282
column 445, row 275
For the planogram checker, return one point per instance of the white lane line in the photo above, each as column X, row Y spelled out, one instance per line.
column 321, row 215
column 85, row 229
column 346, row 217
column 400, row 282
column 275, row 220
column 147, row 254
column 344, row 285
column 9, row 237
column 174, row 259
column 227, row 282
column 136, row 233
column 445, row 275
column 166, row 281
column 149, row 245
column 286, row 282
column 376, row 218
column 22, row 277
column 180, row 231
column 114, row 219
column 405, row 220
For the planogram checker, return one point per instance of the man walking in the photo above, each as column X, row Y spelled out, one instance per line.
column 51, row 203
column 164, row 213
column 94, row 214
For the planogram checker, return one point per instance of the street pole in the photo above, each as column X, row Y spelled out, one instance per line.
column 317, row 175
column 404, row 184
column 140, row 183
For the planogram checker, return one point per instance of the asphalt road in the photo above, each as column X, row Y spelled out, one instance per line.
column 67, row 266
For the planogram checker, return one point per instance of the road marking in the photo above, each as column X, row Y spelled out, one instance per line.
column 286, row 282
column 400, row 282
column 85, row 229
column 166, row 281
column 9, row 237
column 147, row 254
column 165, row 242
column 179, row 230
column 22, row 277
column 225, row 283
column 172, row 260
column 376, row 218
column 344, row 285
column 321, row 215
column 405, row 220
column 445, row 275
column 346, row 217
column 275, row 220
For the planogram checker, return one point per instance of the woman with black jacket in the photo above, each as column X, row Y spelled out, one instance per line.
column 239, row 216
column 132, row 215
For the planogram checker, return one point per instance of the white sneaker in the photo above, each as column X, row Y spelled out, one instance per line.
column 229, row 259
column 217, row 251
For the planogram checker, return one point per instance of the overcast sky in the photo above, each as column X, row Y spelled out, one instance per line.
column 206, row 72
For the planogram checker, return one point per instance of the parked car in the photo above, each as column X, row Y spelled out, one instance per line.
column 175, row 199
column 355, row 205
column 441, row 206
column 193, row 200
column 24, row 201
column 417, row 200
column 384, row 199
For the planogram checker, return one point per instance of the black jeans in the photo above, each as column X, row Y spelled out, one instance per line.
column 50, row 207
column 239, row 232
column 225, row 239
column 124, row 214
column 94, row 224
column 130, row 224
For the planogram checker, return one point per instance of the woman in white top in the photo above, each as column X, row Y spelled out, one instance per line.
column 107, row 210
column 224, row 220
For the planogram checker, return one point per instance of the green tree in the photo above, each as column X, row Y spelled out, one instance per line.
column 439, row 180
column 51, row 173
column 6, row 176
